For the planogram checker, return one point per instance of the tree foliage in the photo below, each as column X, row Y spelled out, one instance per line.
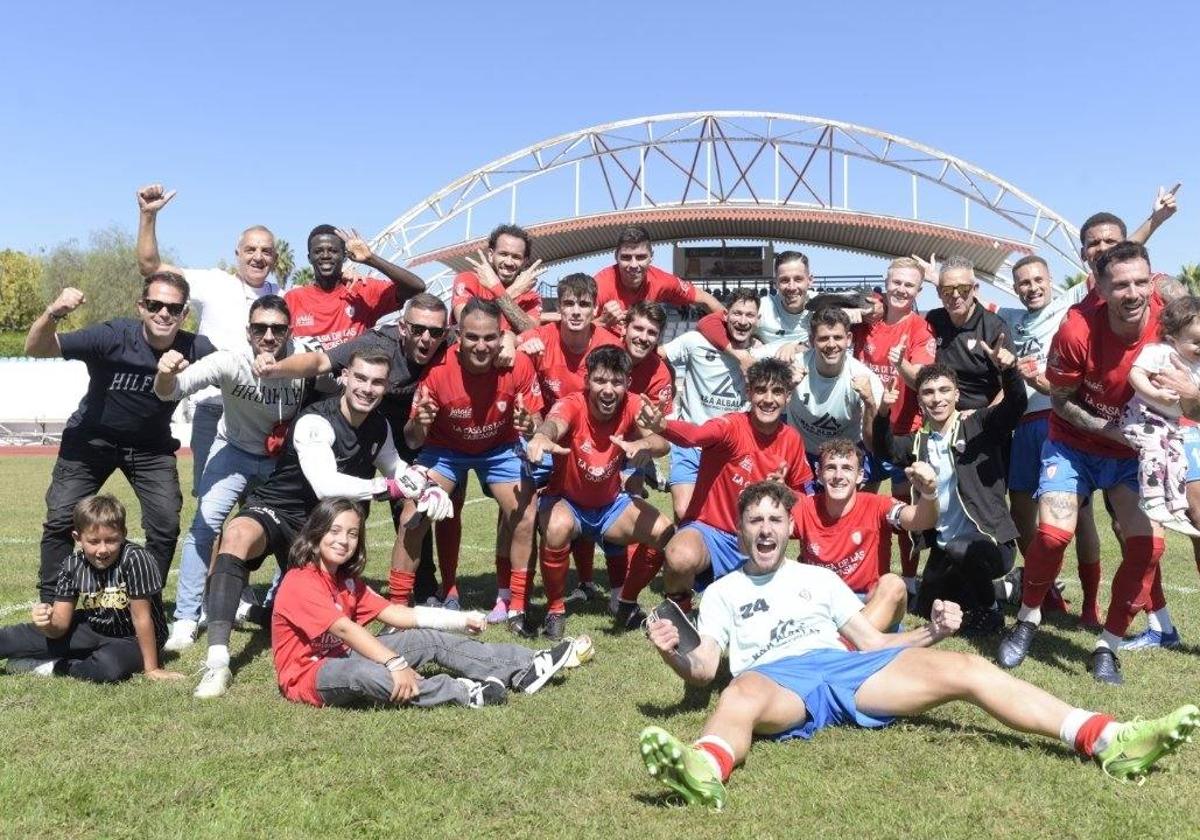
column 1189, row 275
column 21, row 299
column 1076, row 279
column 285, row 262
column 302, row 277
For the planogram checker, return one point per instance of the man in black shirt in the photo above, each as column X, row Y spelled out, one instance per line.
column 120, row 423
column 962, row 326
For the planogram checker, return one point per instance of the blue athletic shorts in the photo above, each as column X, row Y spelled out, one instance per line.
column 499, row 465
column 685, row 464
column 724, row 553
column 1191, row 448
column 1025, row 462
column 877, row 469
column 1066, row 469
column 539, row 473
column 827, row 680
column 593, row 522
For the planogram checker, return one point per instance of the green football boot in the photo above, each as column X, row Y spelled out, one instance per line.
column 1139, row 744
column 682, row 768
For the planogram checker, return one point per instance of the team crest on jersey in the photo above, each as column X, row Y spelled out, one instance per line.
column 349, row 310
column 747, row 464
column 501, row 405
column 586, row 447
column 710, row 356
column 971, row 342
column 805, row 595
column 305, row 320
column 856, row 537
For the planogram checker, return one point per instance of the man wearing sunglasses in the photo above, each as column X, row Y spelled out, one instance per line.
column 255, row 413
column 120, row 424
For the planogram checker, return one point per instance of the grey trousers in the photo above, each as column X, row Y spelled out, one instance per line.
column 354, row 679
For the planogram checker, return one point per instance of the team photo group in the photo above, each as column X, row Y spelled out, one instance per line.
column 821, row 485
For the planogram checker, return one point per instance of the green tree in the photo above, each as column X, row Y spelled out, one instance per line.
column 1076, row 279
column 21, row 298
column 1189, row 275
column 285, row 262
column 303, row 277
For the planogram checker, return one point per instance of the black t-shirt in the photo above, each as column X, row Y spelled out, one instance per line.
column 120, row 406
column 287, row 490
column 102, row 596
column 959, row 348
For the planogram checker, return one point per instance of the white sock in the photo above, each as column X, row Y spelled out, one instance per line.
column 218, row 656
column 721, row 744
column 1164, row 620
column 1152, row 621
column 46, row 669
column 1071, row 725
column 1031, row 614
column 1109, row 641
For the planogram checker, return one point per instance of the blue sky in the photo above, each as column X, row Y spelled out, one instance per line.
column 300, row 113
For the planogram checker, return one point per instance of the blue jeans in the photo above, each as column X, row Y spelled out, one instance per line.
column 205, row 418
column 229, row 473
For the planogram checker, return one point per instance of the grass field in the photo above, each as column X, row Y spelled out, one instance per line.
column 145, row 759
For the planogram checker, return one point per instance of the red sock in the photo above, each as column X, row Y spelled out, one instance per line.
column 643, row 568
column 503, row 571
column 1085, row 739
column 1133, row 581
column 1089, row 579
column 583, row 552
column 719, row 750
column 522, row 580
column 400, row 586
column 617, row 564
column 683, row 600
column 1042, row 563
column 555, row 563
column 908, row 557
column 1158, row 598
column 447, row 537
column 448, row 566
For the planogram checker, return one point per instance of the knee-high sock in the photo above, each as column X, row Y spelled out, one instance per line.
column 522, row 584
column 1158, row 598
column 448, row 567
column 555, row 563
column 400, row 586
column 503, row 571
column 583, row 552
column 643, row 568
column 617, row 565
column 1133, row 581
column 1043, row 562
column 447, row 535
column 1089, row 579
column 225, row 586
column 908, row 557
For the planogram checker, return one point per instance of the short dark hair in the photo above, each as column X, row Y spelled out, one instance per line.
column 743, row 293
column 427, row 301
column 272, row 303
column 306, row 548
column 935, row 371
column 1122, row 252
column 578, row 284
column 760, row 490
column 843, row 447
column 789, row 256
column 170, row 278
column 511, row 230
column 487, row 307
column 768, row 371
column 649, row 310
column 1178, row 315
column 1029, row 259
column 633, row 235
column 321, row 230
column 102, row 510
column 372, row 356
column 828, row 316
column 1101, row 218
column 609, row 357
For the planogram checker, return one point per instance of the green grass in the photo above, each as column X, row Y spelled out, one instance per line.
column 145, row 759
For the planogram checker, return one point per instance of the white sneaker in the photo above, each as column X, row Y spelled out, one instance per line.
column 40, row 667
column 183, row 636
column 214, row 683
column 1181, row 524
column 582, row 652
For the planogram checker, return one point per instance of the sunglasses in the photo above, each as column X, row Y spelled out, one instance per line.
column 259, row 330
column 951, row 291
column 418, row 330
column 154, row 306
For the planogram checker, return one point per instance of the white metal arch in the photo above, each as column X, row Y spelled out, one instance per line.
column 733, row 159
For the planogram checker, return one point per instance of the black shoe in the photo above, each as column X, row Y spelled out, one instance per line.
column 1014, row 645
column 493, row 691
column 1106, row 668
column 555, row 626
column 516, row 626
column 980, row 623
column 629, row 616
column 545, row 664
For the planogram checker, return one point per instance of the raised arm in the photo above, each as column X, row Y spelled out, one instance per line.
column 708, row 301
column 1164, row 208
column 150, row 198
column 296, row 366
column 407, row 284
column 924, row 514
column 42, row 341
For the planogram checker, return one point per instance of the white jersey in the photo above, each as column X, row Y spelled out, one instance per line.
column 764, row 618
column 822, row 408
column 222, row 302
column 777, row 326
column 1033, row 331
column 713, row 381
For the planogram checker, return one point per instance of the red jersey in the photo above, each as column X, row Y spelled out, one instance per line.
column 347, row 310
column 561, row 372
column 475, row 410
column 653, row 379
column 1088, row 356
column 659, row 286
column 591, row 475
column 873, row 342
column 854, row 545
column 733, row 456
column 308, row 603
column 467, row 286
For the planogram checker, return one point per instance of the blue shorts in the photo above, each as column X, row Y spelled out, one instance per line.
column 827, row 680
column 499, row 465
column 1025, row 460
column 538, row 473
column 1066, row 469
column 685, row 464
column 1191, row 448
column 724, row 553
column 593, row 522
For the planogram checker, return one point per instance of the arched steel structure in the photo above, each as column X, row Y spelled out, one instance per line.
column 734, row 175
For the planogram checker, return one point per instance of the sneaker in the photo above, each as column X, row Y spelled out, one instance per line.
column 545, row 664
column 452, row 604
column 1181, row 524
column 1014, row 644
column 1139, row 744
column 214, row 683
column 1156, row 510
column 586, row 591
column 682, row 768
column 614, row 600
column 183, row 636
column 555, row 626
column 246, row 609
column 582, row 652
column 629, row 616
column 516, row 626
column 499, row 612
column 1106, row 668
column 490, row 692
column 980, row 623
column 1152, row 639
column 37, row 667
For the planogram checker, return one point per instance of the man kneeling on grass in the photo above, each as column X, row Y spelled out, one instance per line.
column 780, row 623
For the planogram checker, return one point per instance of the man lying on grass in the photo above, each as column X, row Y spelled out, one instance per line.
column 780, row 623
